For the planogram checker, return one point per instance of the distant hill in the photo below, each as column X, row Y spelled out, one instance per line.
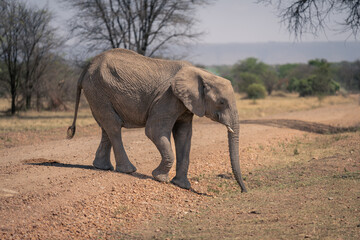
column 274, row 52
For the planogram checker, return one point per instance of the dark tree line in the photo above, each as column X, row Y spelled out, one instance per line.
column 317, row 77
column 252, row 71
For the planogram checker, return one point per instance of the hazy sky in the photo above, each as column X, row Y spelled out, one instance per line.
column 227, row 21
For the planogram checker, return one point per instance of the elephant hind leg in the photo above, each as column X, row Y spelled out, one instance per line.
column 111, row 124
column 123, row 164
column 102, row 157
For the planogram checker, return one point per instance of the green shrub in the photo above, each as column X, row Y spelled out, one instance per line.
column 313, row 86
column 246, row 79
column 293, row 85
column 256, row 91
column 305, row 87
column 334, row 87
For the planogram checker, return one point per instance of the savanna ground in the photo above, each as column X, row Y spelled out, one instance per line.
column 300, row 159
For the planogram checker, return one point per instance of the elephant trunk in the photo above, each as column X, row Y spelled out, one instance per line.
column 233, row 138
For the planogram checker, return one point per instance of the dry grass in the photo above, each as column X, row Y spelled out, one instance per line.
column 281, row 102
column 43, row 120
column 5, row 104
column 278, row 103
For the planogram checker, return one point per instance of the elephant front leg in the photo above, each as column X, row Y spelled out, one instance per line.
column 182, row 133
column 161, row 138
column 102, row 157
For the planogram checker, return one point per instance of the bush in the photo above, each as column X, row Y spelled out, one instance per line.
column 312, row 86
column 293, row 85
column 256, row 91
column 334, row 87
column 305, row 87
column 246, row 79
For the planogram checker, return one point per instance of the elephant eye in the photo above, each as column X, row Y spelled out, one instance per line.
column 222, row 102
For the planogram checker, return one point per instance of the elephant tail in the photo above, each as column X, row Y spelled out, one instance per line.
column 72, row 128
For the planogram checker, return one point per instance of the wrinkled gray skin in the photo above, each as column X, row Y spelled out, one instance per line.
column 125, row 89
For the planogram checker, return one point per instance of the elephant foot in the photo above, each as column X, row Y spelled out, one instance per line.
column 129, row 168
column 181, row 182
column 103, row 165
column 160, row 176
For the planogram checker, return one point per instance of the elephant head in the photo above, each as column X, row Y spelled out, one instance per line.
column 206, row 94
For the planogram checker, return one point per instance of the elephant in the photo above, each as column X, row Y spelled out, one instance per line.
column 126, row 89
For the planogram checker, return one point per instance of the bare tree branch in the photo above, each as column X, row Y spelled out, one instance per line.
column 38, row 41
column 26, row 38
column 11, row 29
column 302, row 16
column 144, row 26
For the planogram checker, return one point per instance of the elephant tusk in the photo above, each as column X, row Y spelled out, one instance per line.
column 230, row 129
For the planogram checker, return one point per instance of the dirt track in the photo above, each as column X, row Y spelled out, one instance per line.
column 50, row 190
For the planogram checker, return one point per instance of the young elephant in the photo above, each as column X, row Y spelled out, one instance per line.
column 125, row 89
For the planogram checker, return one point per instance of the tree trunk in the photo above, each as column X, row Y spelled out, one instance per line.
column 13, row 96
column 28, row 101
column 13, row 106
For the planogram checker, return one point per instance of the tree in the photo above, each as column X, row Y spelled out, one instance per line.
column 302, row 16
column 319, row 82
column 11, row 32
column 245, row 79
column 39, row 41
column 285, row 70
column 270, row 80
column 26, row 39
column 251, row 65
column 357, row 73
column 145, row 26
column 3, row 76
column 285, row 80
column 293, row 85
column 251, row 70
column 57, row 84
column 305, row 86
column 300, row 71
column 348, row 74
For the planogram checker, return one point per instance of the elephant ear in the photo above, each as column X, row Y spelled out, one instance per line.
column 188, row 86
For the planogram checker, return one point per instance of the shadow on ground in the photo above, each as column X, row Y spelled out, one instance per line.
column 54, row 163
column 302, row 125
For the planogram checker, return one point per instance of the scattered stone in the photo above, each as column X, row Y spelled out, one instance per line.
column 254, row 212
column 330, row 198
